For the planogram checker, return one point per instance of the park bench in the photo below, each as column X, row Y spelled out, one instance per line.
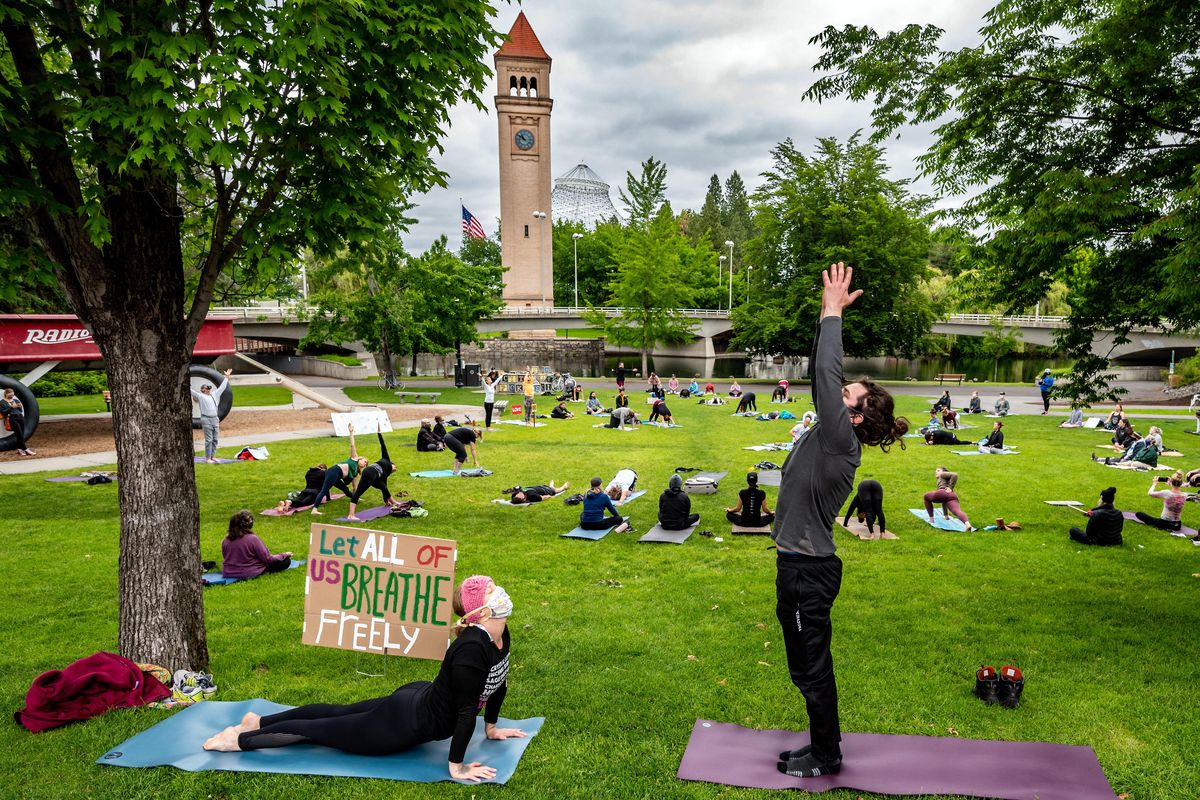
column 951, row 376
column 416, row 396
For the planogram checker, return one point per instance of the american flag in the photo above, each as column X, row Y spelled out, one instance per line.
column 471, row 226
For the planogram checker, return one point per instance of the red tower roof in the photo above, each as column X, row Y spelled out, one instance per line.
column 522, row 42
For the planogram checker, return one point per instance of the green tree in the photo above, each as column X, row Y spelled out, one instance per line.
column 708, row 225
column 999, row 342
column 452, row 297
column 363, row 294
column 138, row 134
column 479, row 252
column 1072, row 127
column 837, row 205
column 644, row 196
column 651, row 285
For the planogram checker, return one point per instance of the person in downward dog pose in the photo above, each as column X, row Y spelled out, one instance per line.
column 817, row 478
column 868, row 505
column 474, row 675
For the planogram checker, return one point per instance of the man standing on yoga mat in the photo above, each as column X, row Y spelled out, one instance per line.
column 817, row 478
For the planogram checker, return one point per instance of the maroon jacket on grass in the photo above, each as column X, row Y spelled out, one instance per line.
column 87, row 688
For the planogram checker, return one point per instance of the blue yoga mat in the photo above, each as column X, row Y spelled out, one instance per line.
column 631, row 498
column 582, row 533
column 939, row 520
column 177, row 742
column 217, row 579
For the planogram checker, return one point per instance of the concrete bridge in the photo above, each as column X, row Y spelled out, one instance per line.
column 713, row 329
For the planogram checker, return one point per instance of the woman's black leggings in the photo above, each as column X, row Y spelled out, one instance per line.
column 333, row 476
column 747, row 403
column 18, row 430
column 372, row 727
column 604, row 524
column 371, row 478
column 1158, row 522
column 456, row 447
column 487, row 414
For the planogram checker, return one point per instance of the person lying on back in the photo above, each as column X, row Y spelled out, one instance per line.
column 534, row 494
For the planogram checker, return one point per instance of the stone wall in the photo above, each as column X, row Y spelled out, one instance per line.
column 581, row 357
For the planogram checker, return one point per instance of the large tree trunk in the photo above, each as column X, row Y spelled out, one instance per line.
column 135, row 311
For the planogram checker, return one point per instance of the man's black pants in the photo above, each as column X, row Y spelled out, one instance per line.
column 805, row 588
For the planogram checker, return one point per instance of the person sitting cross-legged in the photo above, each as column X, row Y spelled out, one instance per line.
column 675, row 507
column 1105, row 523
column 751, row 510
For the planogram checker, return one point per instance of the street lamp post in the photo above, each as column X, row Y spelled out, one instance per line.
column 540, row 216
column 748, row 271
column 720, row 264
column 729, row 244
column 575, row 242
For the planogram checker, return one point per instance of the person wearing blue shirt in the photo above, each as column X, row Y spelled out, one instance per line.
column 595, row 505
column 1045, row 384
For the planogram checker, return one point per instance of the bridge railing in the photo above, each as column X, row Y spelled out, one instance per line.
column 608, row 311
column 1016, row 320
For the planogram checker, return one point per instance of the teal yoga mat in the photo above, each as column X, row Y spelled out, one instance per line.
column 177, row 742
column 217, row 579
column 631, row 497
column 449, row 473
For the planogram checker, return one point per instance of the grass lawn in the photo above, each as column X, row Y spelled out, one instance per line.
column 94, row 403
column 621, row 646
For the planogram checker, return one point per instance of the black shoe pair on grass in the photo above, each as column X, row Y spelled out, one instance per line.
column 1004, row 688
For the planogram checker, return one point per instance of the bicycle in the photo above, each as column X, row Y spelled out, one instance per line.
column 388, row 380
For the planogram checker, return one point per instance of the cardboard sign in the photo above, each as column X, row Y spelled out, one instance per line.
column 373, row 421
column 379, row 592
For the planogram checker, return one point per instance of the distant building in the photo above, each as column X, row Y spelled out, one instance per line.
column 581, row 196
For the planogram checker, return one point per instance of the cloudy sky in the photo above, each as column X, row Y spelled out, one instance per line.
column 703, row 85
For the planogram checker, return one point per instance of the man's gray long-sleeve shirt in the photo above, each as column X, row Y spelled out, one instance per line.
column 209, row 403
column 819, row 472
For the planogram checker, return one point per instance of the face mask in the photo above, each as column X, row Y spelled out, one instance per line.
column 500, row 603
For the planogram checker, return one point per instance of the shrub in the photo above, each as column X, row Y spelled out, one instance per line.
column 70, row 384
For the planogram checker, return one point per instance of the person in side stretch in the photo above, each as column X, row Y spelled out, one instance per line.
column 1173, row 497
column 994, row 443
column 675, row 507
column 599, row 512
column 747, row 403
column 314, row 479
column 535, row 494
column 340, row 473
column 243, row 554
column 751, row 510
column 945, row 494
column 1105, row 523
column 817, row 478
column 868, row 505
column 528, row 387
column 457, row 442
column 473, row 675
column 374, row 477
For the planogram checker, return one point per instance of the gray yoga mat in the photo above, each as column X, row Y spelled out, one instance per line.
column 74, row 479
column 177, row 740
column 658, row 534
column 770, row 477
column 731, row 755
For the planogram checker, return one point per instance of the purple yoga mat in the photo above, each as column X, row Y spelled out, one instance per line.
column 1132, row 517
column 368, row 514
column 200, row 460
column 67, row 479
column 728, row 754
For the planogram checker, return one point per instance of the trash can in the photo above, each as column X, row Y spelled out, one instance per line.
column 471, row 376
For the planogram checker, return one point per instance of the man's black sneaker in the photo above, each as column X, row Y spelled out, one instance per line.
column 807, row 766
column 1012, row 683
column 987, row 685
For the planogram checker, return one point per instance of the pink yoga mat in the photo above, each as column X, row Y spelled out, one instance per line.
column 274, row 512
column 728, row 754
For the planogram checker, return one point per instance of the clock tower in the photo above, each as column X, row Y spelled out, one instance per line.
column 523, row 114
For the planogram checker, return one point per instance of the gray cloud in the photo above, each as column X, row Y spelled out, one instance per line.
column 706, row 86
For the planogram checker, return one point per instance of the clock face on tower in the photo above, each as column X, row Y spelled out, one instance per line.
column 524, row 139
